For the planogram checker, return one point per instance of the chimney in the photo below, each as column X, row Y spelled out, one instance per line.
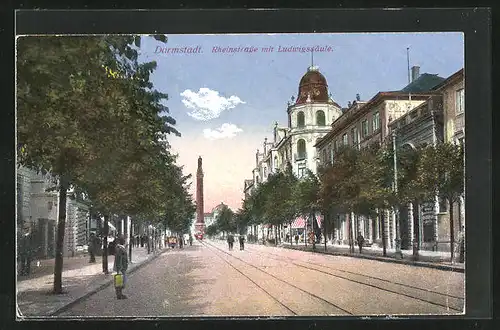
column 415, row 73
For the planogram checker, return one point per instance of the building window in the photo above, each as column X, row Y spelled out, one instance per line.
column 354, row 135
column 364, row 128
column 320, row 118
column 300, row 120
column 301, row 170
column 376, row 121
column 460, row 98
column 331, row 156
column 301, row 149
column 344, row 139
column 336, row 145
column 443, row 205
column 265, row 172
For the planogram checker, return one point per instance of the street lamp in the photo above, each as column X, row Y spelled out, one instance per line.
column 396, row 208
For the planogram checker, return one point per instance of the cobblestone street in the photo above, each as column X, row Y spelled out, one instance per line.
column 207, row 279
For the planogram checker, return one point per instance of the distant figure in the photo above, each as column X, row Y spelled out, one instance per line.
column 242, row 242
column 296, row 239
column 461, row 246
column 25, row 252
column 120, row 266
column 230, row 241
column 361, row 241
column 93, row 244
column 190, row 240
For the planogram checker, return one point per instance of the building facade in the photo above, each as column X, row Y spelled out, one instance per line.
column 453, row 91
column 425, row 223
column 38, row 211
column 364, row 124
column 309, row 117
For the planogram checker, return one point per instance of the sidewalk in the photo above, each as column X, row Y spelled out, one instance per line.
column 429, row 259
column 80, row 279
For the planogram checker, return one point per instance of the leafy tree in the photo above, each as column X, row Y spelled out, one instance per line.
column 212, row 230
column 226, row 220
column 441, row 171
column 307, row 199
column 60, row 95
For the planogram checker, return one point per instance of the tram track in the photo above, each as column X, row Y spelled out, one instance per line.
column 213, row 247
column 445, row 296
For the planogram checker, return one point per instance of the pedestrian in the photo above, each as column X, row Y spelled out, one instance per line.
column 25, row 252
column 120, row 266
column 296, row 239
column 92, row 247
column 461, row 247
column 190, row 240
column 230, row 241
column 361, row 241
column 242, row 242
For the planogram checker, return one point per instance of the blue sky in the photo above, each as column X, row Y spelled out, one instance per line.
column 245, row 93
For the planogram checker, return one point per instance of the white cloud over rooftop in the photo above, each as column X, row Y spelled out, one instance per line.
column 207, row 104
column 226, row 131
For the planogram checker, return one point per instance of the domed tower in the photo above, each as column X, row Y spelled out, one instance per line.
column 309, row 119
column 313, row 86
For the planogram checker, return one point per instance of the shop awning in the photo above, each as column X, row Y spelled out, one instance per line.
column 300, row 222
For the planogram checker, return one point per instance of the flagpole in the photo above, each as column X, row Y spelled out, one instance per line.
column 408, row 59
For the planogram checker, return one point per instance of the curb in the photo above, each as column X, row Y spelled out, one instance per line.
column 103, row 286
column 385, row 259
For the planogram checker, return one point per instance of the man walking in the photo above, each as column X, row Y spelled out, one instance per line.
column 361, row 241
column 92, row 247
column 242, row 242
column 230, row 241
column 25, row 252
column 121, row 265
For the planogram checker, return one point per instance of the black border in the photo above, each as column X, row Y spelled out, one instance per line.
column 475, row 23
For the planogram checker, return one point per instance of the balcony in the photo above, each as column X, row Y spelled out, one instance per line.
column 299, row 157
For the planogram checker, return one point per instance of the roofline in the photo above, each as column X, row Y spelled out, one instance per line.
column 288, row 110
column 379, row 97
column 448, row 80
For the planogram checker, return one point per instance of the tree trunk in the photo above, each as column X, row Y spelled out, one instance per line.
column 130, row 240
column 148, row 231
column 275, row 228
column 105, row 269
column 313, row 229
column 324, row 228
column 349, row 233
column 416, row 230
column 384, row 241
column 61, row 226
column 452, row 234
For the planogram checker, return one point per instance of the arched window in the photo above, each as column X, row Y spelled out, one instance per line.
column 301, row 122
column 320, row 118
column 301, row 149
column 276, row 162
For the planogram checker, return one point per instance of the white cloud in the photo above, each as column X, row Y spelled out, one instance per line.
column 225, row 131
column 207, row 104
